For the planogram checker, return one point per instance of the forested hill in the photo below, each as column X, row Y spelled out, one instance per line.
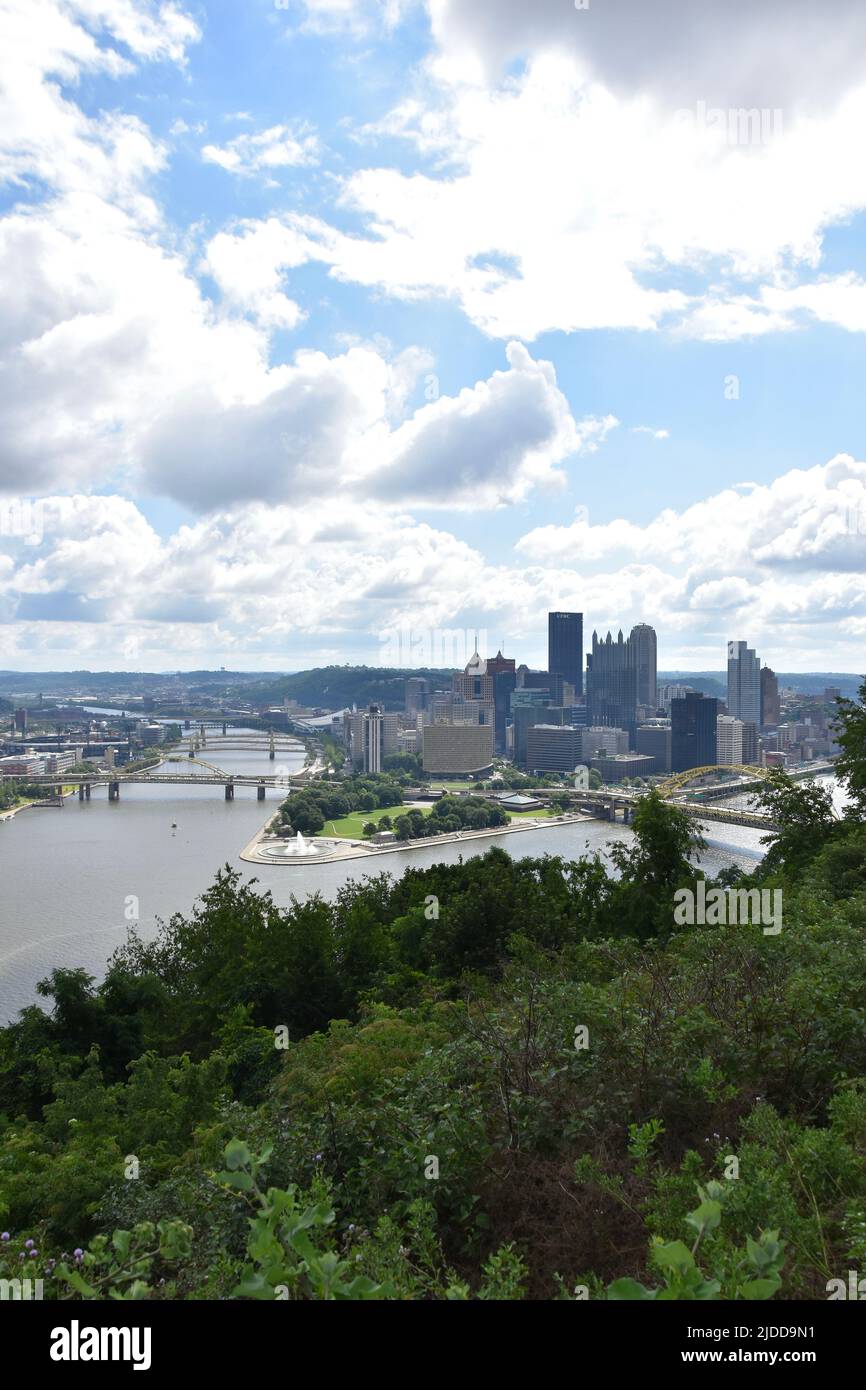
column 340, row 687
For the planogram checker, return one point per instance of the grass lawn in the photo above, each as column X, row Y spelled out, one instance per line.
column 351, row 827
column 532, row 815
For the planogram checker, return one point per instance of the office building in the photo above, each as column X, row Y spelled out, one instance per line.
column 371, row 737
column 528, row 708
column 417, row 695
column 20, row 765
column 457, row 749
column 565, row 648
column 474, row 693
column 654, row 740
column 771, row 711
column 611, row 683
column 751, row 743
column 643, row 639
column 552, row 684
column 615, row 767
column 729, row 740
column 503, row 671
column 693, row 732
column 553, row 748
column 596, row 740
column 744, row 682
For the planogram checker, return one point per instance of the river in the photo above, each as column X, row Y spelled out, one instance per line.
column 69, row 876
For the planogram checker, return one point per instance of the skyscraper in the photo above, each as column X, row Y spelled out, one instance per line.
column 643, row 639
column 611, row 683
column 502, row 669
column 565, row 648
column 771, row 711
column 693, row 732
column 744, row 682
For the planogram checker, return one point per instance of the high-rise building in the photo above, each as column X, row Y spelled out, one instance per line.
column 565, row 647
column 654, row 739
column 729, row 736
column 528, row 708
column 457, row 748
column 499, row 664
column 504, row 683
column 744, row 682
column 417, row 695
column 474, row 687
column 611, row 683
column 602, row 740
column 750, row 743
column 643, row 639
column 549, row 681
column 693, row 732
column 771, row 711
column 371, row 736
column 553, row 748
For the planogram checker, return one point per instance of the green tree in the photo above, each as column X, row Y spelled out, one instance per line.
column 851, row 762
column 804, row 818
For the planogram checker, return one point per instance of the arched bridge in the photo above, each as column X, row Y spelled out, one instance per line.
column 680, row 780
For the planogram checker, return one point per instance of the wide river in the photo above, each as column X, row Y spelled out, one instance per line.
column 68, row 875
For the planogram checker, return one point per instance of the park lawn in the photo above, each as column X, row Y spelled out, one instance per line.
column 351, row 827
column 532, row 815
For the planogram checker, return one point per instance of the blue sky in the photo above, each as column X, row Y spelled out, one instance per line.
column 345, row 317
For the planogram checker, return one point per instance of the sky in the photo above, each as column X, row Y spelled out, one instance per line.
column 328, row 327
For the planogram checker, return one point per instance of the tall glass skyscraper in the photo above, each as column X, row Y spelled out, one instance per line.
column 565, row 647
column 611, row 684
column 693, row 732
column 643, row 639
column 744, row 683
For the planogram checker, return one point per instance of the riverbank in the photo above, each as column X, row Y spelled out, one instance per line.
column 14, row 810
column 269, row 849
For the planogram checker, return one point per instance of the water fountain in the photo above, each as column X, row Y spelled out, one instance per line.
column 299, row 848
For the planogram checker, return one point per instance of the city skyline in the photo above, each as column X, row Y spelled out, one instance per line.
column 326, row 317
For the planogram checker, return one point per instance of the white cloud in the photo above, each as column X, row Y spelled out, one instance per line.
column 654, row 433
column 325, row 423
column 807, row 519
column 278, row 147
column 556, row 205
column 248, row 265
column 258, row 585
column 734, row 53
column 356, row 17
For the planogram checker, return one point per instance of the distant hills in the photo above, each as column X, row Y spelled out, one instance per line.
column 334, row 687
column 804, row 682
